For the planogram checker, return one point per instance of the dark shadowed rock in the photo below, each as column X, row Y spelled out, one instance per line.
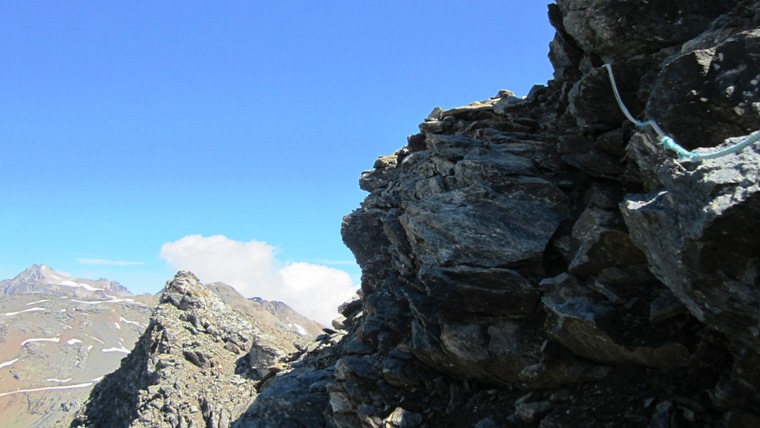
column 575, row 323
column 613, row 31
column 703, row 96
column 602, row 241
column 700, row 236
column 479, row 290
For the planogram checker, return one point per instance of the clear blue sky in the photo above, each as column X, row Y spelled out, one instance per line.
column 128, row 125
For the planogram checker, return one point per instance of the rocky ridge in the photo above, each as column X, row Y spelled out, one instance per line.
column 541, row 261
column 273, row 318
column 198, row 363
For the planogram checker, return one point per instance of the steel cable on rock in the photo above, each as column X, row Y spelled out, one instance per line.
column 669, row 142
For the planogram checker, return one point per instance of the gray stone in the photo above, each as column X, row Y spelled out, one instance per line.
column 706, row 95
column 489, row 166
column 575, row 324
column 288, row 401
column 601, row 242
column 506, row 101
column 478, row 290
column 400, row 373
column 469, row 226
column 592, row 103
column 533, row 412
column 401, row 418
column 699, row 235
column 625, row 29
column 552, row 374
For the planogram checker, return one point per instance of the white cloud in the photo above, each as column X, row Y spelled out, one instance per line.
column 252, row 268
column 248, row 266
column 106, row 262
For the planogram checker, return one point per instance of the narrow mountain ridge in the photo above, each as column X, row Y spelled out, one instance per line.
column 198, row 363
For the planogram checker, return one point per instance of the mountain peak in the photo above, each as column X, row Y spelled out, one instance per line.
column 186, row 291
column 36, row 273
column 42, row 279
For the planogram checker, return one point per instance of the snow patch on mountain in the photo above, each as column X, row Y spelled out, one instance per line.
column 8, row 314
column 8, row 363
column 299, row 329
column 97, row 340
column 41, row 339
column 49, row 388
column 134, row 323
column 121, row 349
column 112, row 299
column 80, row 285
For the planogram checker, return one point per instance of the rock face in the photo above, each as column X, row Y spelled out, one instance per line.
column 543, row 261
column 197, row 364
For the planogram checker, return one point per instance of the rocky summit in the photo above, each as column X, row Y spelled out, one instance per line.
column 537, row 261
column 198, row 363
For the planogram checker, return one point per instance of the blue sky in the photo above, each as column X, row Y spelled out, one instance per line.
column 131, row 125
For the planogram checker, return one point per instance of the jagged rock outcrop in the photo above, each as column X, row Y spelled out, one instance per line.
column 543, row 261
column 197, row 364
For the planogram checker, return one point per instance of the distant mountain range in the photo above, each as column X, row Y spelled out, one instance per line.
column 60, row 335
column 42, row 279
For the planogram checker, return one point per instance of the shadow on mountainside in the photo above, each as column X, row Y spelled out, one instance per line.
column 117, row 394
